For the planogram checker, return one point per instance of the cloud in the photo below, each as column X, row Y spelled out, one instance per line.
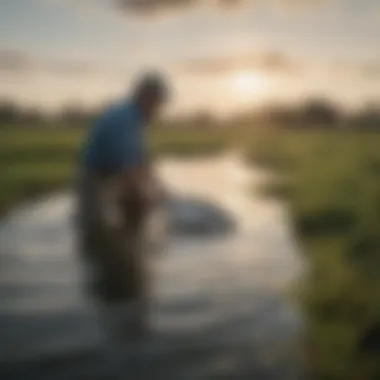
column 301, row 3
column 365, row 70
column 17, row 62
column 264, row 61
column 154, row 7
column 370, row 70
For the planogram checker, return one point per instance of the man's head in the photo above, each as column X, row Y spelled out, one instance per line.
column 150, row 93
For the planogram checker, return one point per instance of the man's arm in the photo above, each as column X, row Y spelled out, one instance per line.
column 138, row 175
column 153, row 181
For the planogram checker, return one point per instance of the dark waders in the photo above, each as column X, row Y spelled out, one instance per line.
column 111, row 233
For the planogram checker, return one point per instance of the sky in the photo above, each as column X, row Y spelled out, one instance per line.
column 219, row 55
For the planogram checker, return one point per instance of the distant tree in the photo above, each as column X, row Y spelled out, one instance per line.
column 75, row 115
column 9, row 112
column 282, row 115
column 367, row 118
column 32, row 116
column 201, row 120
column 321, row 112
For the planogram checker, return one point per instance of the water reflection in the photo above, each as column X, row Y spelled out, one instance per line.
column 198, row 217
column 218, row 311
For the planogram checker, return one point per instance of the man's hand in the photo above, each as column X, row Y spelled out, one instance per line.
column 154, row 192
column 144, row 187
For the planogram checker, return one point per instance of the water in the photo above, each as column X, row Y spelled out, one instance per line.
column 219, row 309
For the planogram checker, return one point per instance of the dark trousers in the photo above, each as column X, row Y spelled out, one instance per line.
column 115, row 252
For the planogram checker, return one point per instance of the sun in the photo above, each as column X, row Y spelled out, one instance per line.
column 247, row 84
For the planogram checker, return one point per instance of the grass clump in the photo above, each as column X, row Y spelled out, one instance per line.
column 334, row 200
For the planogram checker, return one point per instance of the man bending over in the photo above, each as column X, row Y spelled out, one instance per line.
column 116, row 191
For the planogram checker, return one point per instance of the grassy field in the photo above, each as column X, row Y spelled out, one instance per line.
column 332, row 184
column 34, row 161
column 331, row 181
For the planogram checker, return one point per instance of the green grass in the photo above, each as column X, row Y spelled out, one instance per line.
column 33, row 162
column 37, row 160
column 332, row 184
column 331, row 181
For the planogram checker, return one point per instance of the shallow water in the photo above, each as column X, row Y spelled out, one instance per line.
column 219, row 309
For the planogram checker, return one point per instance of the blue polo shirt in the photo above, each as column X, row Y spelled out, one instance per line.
column 115, row 140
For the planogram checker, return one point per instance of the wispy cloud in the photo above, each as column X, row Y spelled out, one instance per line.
column 366, row 70
column 15, row 61
column 278, row 63
column 152, row 7
column 263, row 61
column 370, row 69
column 18, row 62
column 301, row 3
column 156, row 7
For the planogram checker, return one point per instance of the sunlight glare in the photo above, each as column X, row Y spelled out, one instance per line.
column 248, row 84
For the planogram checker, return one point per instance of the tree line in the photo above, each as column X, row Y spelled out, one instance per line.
column 11, row 113
column 312, row 113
